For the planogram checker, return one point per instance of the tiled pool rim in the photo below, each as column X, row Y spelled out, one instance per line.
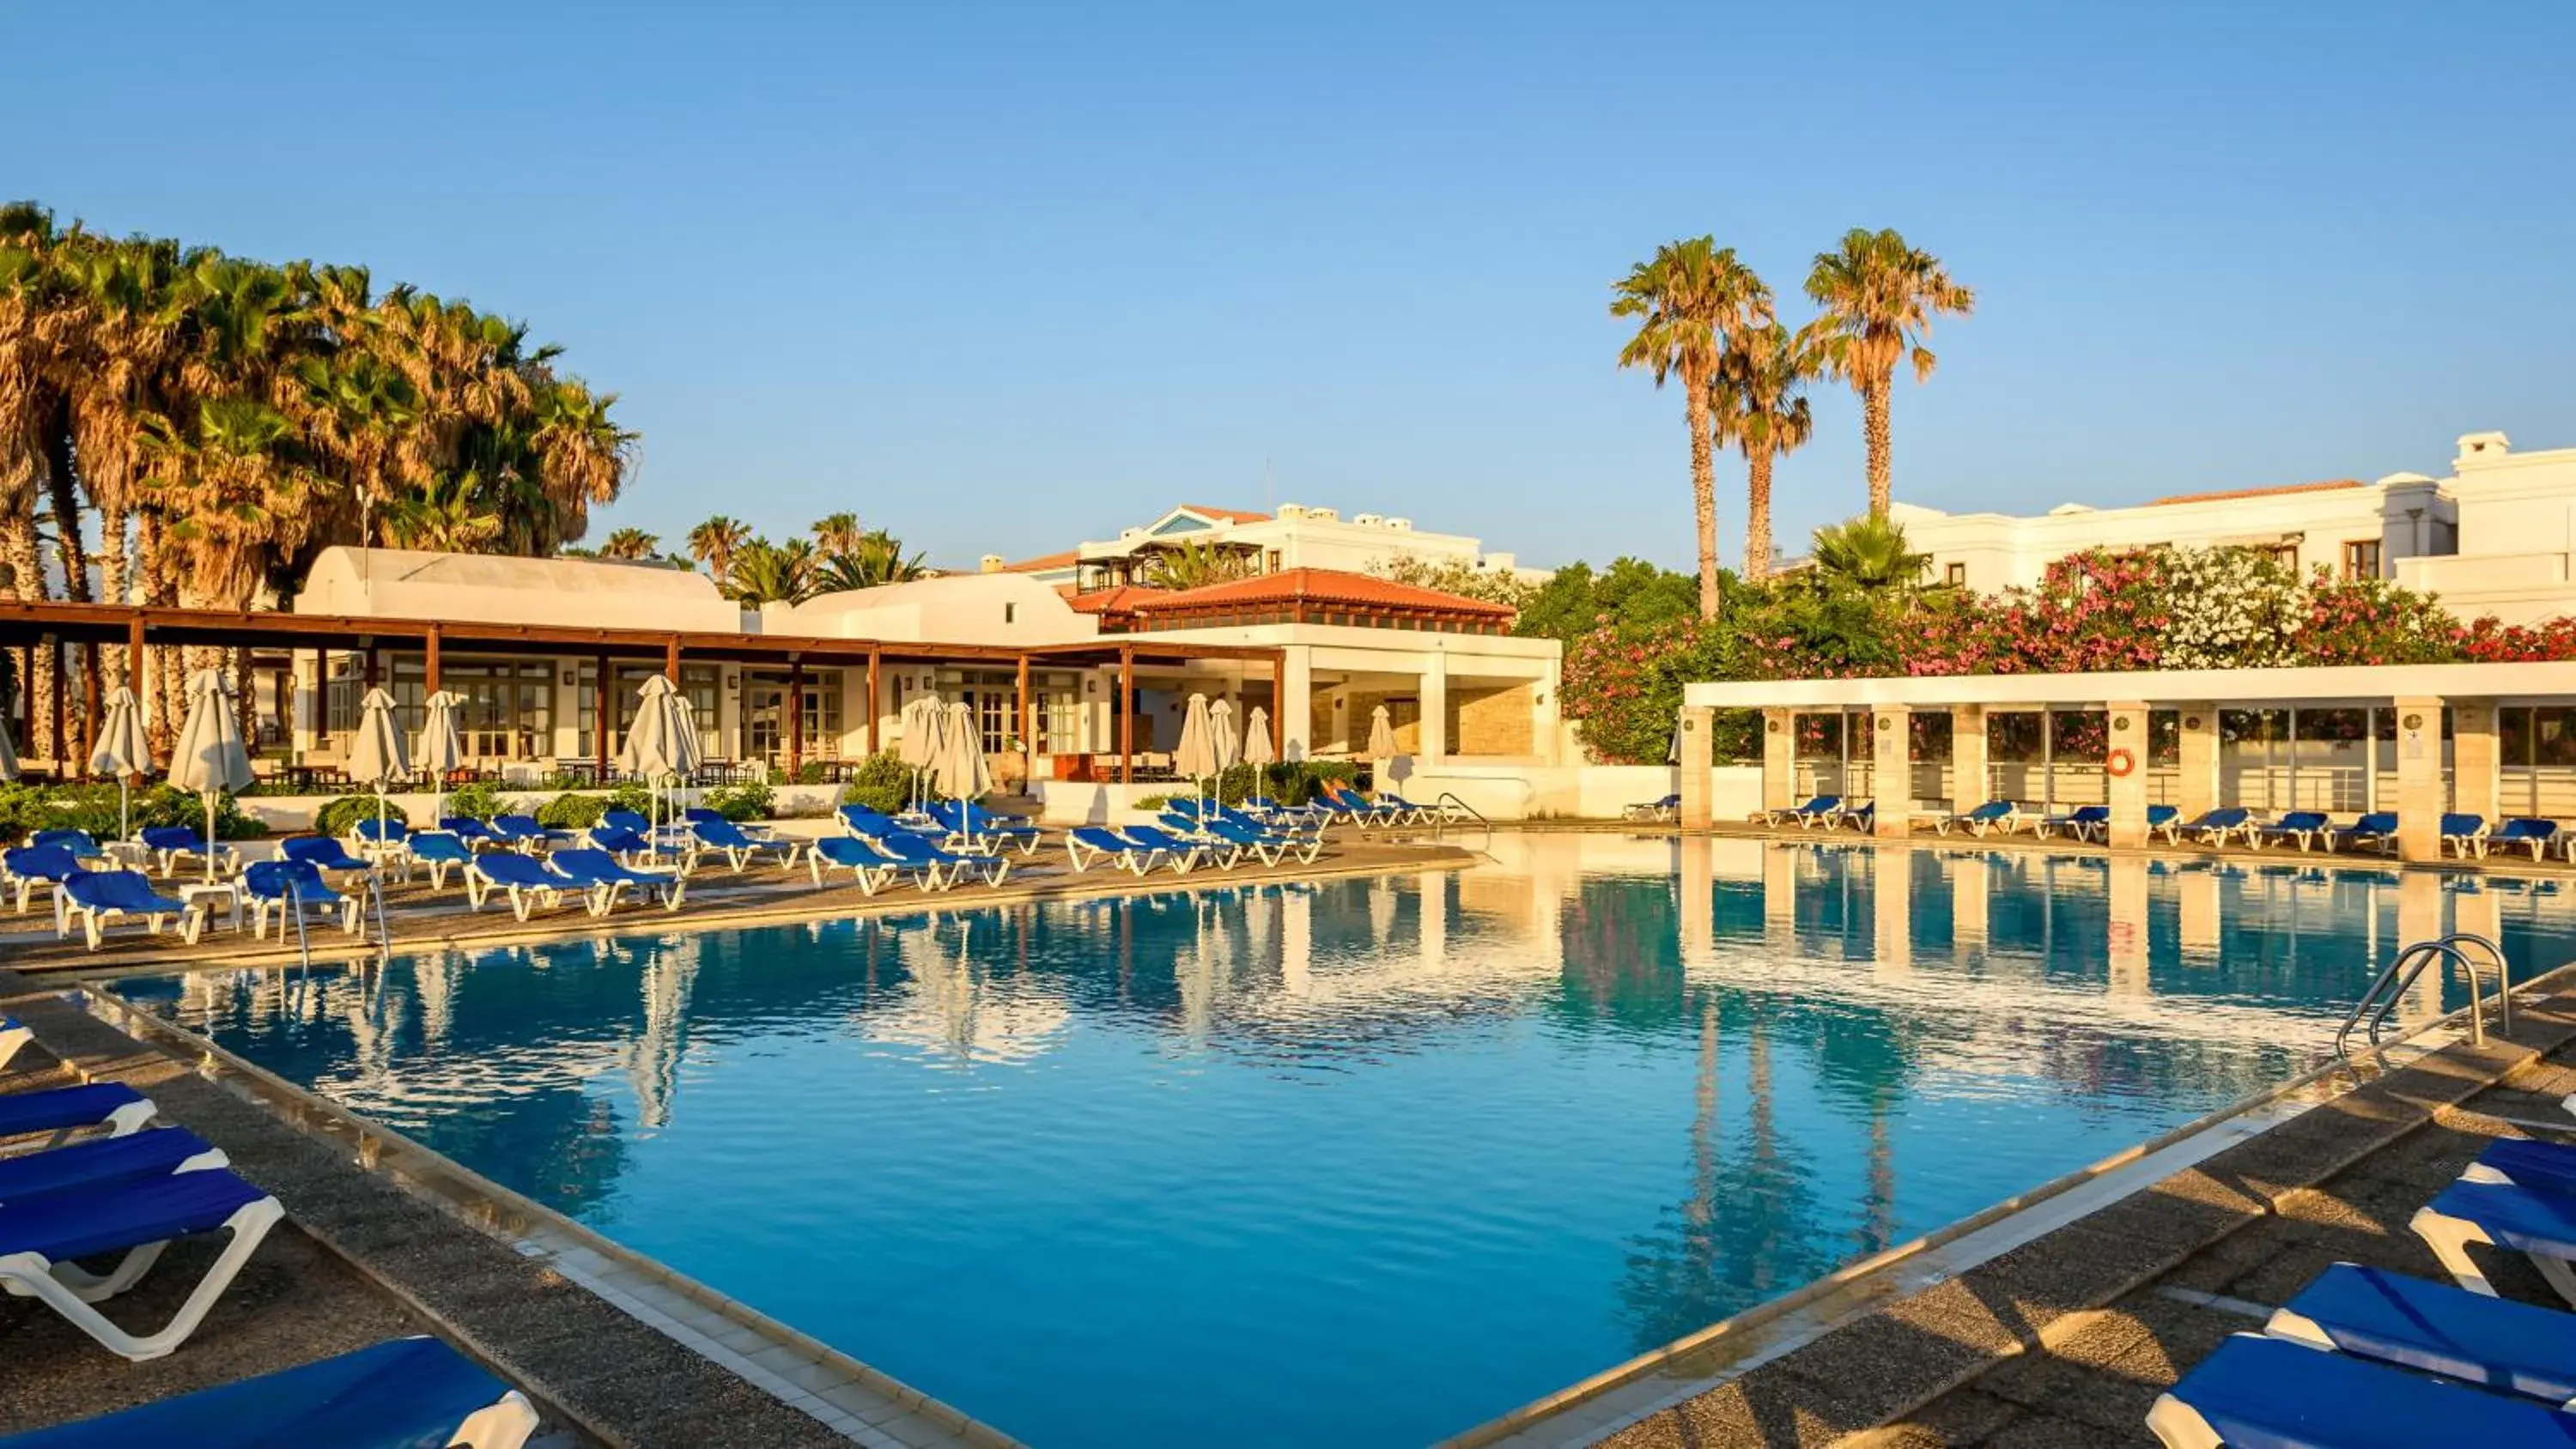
column 2283, row 1101
column 644, row 1288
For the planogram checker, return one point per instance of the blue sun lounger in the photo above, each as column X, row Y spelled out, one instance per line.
column 2377, row 829
column 870, row 867
column 1668, row 808
column 525, row 878
column 975, row 828
column 1993, row 817
column 62, row 1111
column 937, row 867
column 2463, row 834
column 42, row 1236
column 323, row 853
column 441, row 852
column 2166, row 818
column 289, row 888
column 1181, row 855
column 1088, row 845
column 174, row 843
column 2434, row 1328
column 82, row 845
column 2528, row 831
column 25, row 867
column 522, row 832
column 2214, row 826
column 106, row 1159
column 2257, row 1390
column 2303, row 828
column 473, row 832
column 406, row 1393
column 2081, row 823
column 605, row 879
column 1267, row 846
column 93, row 898
column 2488, row 1208
column 620, row 842
column 722, row 836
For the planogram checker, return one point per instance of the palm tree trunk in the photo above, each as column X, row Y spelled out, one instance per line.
column 36, row 666
column 1757, row 514
column 114, row 580
column 62, row 491
column 1703, row 490
column 1873, row 401
column 161, row 667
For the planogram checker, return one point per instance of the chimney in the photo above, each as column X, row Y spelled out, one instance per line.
column 1290, row 512
column 2482, row 448
column 990, row 563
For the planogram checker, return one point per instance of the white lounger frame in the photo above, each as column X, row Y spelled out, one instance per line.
column 70, row 1290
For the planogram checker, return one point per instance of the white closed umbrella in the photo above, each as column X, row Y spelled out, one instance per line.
column 124, row 750
column 662, row 744
column 376, row 756
column 1228, row 742
column 1256, row 738
column 1381, row 740
column 920, row 726
column 209, row 758
column 8, row 752
column 442, row 748
column 963, row 772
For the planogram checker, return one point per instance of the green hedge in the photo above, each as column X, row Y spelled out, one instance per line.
column 342, row 815
column 25, row 809
column 743, row 802
column 882, row 783
column 478, row 801
column 572, row 812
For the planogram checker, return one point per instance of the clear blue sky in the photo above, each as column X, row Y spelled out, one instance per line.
column 1003, row 277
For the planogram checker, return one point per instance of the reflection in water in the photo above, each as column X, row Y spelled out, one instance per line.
column 1359, row 1161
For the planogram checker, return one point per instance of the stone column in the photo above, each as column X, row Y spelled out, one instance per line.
column 1892, row 899
column 1779, row 759
column 1967, row 757
column 2127, row 932
column 1699, row 755
column 2420, row 800
column 1971, row 892
column 2475, row 754
column 2128, row 793
column 1435, row 709
column 2196, row 789
column 1892, row 770
column 1296, row 704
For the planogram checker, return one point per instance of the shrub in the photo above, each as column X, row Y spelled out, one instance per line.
column 743, row 802
column 478, row 801
column 1153, row 802
column 633, row 795
column 28, row 808
column 882, row 783
column 571, row 812
column 343, row 814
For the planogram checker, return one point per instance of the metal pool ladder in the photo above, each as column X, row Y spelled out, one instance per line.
column 2392, row 984
column 375, row 907
column 1440, row 822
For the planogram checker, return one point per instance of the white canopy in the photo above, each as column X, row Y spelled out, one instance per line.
column 1381, row 740
column 1196, row 755
column 209, row 758
column 962, row 771
column 1222, row 734
column 1256, row 738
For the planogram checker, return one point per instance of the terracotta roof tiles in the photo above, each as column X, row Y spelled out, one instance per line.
column 2226, row 494
column 1319, row 586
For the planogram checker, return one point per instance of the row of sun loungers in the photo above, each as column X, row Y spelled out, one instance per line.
column 89, row 1179
column 2461, row 834
column 2362, row 1357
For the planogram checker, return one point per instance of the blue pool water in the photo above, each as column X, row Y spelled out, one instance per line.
column 1364, row 1162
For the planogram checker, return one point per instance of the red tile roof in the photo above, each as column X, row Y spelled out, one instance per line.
column 1319, row 586
column 2224, row 495
column 1120, row 600
column 1064, row 560
column 1230, row 515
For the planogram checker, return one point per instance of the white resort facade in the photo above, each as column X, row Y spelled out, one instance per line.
column 2493, row 536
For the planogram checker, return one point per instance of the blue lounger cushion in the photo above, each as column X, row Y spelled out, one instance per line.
column 104, row 1159
column 2256, row 1392
column 2541, row 1166
column 407, row 1393
column 61, row 1109
column 2435, row 1328
column 2524, row 1219
column 112, row 1217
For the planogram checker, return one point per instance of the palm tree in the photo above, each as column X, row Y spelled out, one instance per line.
column 771, row 573
column 630, row 543
column 875, row 559
column 1757, row 402
column 1869, row 553
column 837, row 533
column 1879, row 297
column 1689, row 298
column 715, row 542
column 444, row 517
column 1195, row 565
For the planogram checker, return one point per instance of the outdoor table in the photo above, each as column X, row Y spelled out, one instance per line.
column 206, row 896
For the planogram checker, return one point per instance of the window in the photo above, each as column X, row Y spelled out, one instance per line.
column 1956, row 576
column 1010, row 613
column 699, row 684
column 2361, row 558
column 2285, row 554
column 1270, row 562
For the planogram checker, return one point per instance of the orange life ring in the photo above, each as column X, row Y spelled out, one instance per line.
column 2120, row 763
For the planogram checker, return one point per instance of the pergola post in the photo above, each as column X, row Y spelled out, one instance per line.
column 1279, row 705
column 90, row 703
column 1892, row 771
column 134, row 653
column 2476, row 752
column 2127, row 794
column 1028, row 735
column 1967, row 757
column 1434, row 728
column 2420, row 797
column 1698, row 758
column 429, row 660
column 795, row 717
column 2196, row 785
column 1779, row 758
column 603, row 709
column 876, row 705
column 1126, row 714
column 671, row 659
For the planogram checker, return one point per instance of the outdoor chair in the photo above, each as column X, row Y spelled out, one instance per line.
column 474, row 833
column 1668, row 808
column 2256, row 1389
column 1823, row 810
column 379, row 837
column 737, row 847
column 625, row 844
column 607, row 879
column 1995, row 817
column 1181, row 855
column 2166, row 818
column 323, row 853
column 2214, row 826
column 106, row 1159
column 522, row 832
column 113, row 1109
column 524, row 879
column 870, row 867
column 406, row 1391
column 1088, row 845
column 133, row 1219
column 2463, row 834
column 2082, row 823
column 1215, row 850
column 1267, row 847
column 2379, row 829
column 939, row 868
column 80, row 843
column 441, row 852
column 93, row 898
column 289, row 888
column 2434, row 1328
column 174, row 843
column 2301, row 827
column 2527, row 831
column 26, row 867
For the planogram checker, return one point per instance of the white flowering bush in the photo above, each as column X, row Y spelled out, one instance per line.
column 2232, row 608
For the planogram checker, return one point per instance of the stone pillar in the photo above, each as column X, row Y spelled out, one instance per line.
column 2199, row 917
column 2420, row 799
column 1699, row 755
column 1435, row 709
column 1967, row 757
column 1892, row 770
column 2475, row 754
column 1892, row 901
column 1296, row 704
column 2128, row 928
column 1779, row 759
column 1779, row 897
column 2196, row 789
column 2128, row 793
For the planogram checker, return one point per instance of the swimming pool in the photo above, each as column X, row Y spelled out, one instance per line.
column 1363, row 1161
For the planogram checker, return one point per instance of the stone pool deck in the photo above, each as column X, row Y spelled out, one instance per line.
column 418, row 917
column 2067, row 1339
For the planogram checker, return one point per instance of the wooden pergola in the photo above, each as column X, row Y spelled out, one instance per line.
column 39, row 624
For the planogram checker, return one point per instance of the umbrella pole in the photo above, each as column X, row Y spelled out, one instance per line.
column 210, row 837
column 124, row 807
